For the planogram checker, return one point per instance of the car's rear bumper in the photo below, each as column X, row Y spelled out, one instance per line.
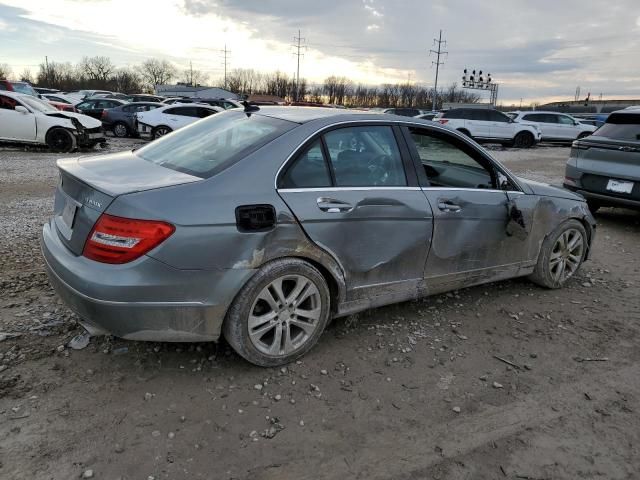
column 605, row 199
column 144, row 299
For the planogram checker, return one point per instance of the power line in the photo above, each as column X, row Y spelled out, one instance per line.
column 437, row 63
column 225, row 52
column 298, row 46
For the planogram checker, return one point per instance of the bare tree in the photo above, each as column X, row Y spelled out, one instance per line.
column 156, row 72
column 26, row 76
column 194, row 77
column 126, row 80
column 98, row 70
column 5, row 70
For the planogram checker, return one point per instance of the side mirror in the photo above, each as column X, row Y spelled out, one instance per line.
column 21, row 109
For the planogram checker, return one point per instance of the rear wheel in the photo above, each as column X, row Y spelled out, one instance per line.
column 160, row 131
column 120, row 130
column 561, row 255
column 279, row 314
column 523, row 140
column 60, row 140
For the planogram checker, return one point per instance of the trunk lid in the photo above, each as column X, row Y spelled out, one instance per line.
column 88, row 185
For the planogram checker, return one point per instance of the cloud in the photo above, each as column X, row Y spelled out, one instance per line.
column 533, row 49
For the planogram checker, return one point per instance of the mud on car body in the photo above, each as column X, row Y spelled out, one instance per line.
column 261, row 225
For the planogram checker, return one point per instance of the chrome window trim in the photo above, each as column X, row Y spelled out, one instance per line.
column 429, row 125
column 342, row 189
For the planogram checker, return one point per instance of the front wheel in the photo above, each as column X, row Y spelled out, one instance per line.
column 561, row 255
column 160, row 131
column 61, row 140
column 523, row 140
column 120, row 130
column 279, row 314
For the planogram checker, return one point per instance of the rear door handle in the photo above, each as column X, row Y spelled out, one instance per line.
column 448, row 206
column 331, row 205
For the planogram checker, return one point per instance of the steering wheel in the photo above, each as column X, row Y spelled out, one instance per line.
column 378, row 169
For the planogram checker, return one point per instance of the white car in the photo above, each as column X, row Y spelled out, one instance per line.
column 59, row 97
column 157, row 123
column 555, row 126
column 26, row 119
column 486, row 125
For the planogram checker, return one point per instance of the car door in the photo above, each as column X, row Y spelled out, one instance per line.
column 354, row 196
column 474, row 239
column 500, row 125
column 567, row 128
column 183, row 116
column 545, row 122
column 16, row 125
column 477, row 122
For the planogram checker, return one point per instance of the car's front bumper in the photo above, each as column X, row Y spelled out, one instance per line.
column 144, row 299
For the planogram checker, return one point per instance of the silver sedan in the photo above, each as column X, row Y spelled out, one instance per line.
column 261, row 225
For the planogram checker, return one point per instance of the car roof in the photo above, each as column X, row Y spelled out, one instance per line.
column 307, row 114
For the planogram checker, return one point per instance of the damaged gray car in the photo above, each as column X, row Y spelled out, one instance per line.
column 262, row 225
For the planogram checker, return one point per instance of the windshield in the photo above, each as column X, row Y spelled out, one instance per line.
column 25, row 88
column 208, row 146
column 621, row 126
column 39, row 105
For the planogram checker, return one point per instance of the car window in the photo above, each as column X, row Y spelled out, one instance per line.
column 478, row 114
column 621, row 126
column 205, row 112
column 228, row 105
column 85, row 105
column 496, row 116
column 7, row 103
column 455, row 113
column 130, row 108
column 309, row 170
column 184, row 111
column 446, row 164
column 365, row 156
column 564, row 120
column 207, row 147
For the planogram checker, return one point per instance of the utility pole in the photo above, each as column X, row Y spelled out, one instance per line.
column 225, row 52
column 46, row 63
column 437, row 63
column 191, row 73
column 298, row 46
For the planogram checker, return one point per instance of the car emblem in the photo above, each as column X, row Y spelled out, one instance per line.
column 93, row 202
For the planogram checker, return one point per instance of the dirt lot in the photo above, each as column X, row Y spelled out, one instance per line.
column 411, row 391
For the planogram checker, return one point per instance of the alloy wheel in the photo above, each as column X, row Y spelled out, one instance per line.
column 60, row 140
column 566, row 255
column 284, row 315
column 162, row 131
column 120, row 130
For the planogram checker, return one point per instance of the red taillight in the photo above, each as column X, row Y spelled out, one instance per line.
column 121, row 240
column 443, row 121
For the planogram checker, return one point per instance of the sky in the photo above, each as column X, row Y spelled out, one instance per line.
column 536, row 51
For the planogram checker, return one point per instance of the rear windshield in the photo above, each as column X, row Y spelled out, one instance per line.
column 621, row 126
column 25, row 88
column 208, row 146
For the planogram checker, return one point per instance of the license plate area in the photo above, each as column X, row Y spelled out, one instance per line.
column 619, row 186
column 69, row 213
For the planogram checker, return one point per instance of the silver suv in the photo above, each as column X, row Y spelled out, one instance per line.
column 605, row 167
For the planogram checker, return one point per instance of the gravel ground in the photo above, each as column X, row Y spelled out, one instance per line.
column 410, row 391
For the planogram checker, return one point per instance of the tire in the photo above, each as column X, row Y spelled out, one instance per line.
column 60, row 140
column 593, row 206
column 160, row 131
column 523, row 140
column 554, row 265
column 120, row 130
column 273, row 316
column 465, row 132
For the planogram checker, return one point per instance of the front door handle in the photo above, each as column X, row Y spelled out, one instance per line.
column 331, row 205
column 448, row 206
